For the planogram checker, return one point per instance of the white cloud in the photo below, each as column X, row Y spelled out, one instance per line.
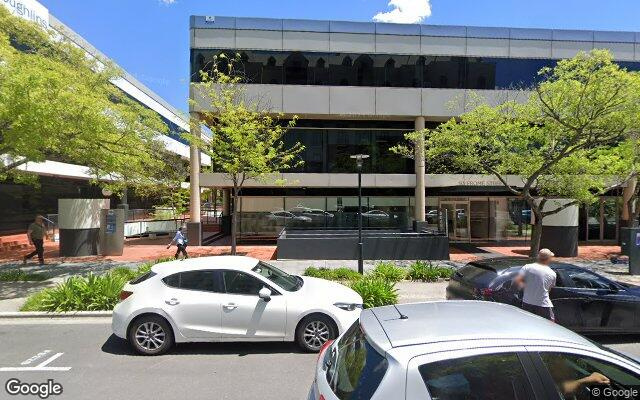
column 168, row 1
column 405, row 11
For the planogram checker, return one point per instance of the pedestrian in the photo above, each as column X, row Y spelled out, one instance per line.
column 36, row 233
column 537, row 279
column 181, row 243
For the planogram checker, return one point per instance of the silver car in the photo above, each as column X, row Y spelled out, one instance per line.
column 467, row 350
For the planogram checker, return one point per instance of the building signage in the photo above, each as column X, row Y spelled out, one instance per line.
column 111, row 222
column 30, row 10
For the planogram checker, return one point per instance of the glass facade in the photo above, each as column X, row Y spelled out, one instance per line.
column 380, row 70
column 329, row 150
column 267, row 216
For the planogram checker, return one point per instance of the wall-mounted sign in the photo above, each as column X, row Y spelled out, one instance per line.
column 111, row 222
column 30, row 10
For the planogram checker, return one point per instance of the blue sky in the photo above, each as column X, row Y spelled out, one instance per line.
column 150, row 38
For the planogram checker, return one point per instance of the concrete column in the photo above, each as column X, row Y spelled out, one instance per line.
column 420, row 200
column 627, row 193
column 194, row 228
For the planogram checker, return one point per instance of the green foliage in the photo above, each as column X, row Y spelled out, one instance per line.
column 389, row 272
column 175, row 205
column 338, row 274
column 18, row 275
column 57, row 103
column 425, row 271
column 563, row 138
column 247, row 140
column 375, row 291
column 88, row 293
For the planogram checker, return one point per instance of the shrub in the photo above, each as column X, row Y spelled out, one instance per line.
column 375, row 291
column 338, row 274
column 389, row 272
column 425, row 271
column 77, row 293
column 346, row 274
column 89, row 293
column 18, row 275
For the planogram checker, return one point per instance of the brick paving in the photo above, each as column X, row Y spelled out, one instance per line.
column 137, row 249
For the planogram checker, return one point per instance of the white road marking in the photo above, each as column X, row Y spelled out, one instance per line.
column 48, row 361
column 40, row 367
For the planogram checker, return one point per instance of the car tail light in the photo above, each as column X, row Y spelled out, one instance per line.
column 124, row 294
column 324, row 347
column 321, row 397
column 486, row 292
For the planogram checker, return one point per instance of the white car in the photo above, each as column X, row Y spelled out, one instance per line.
column 230, row 298
column 467, row 350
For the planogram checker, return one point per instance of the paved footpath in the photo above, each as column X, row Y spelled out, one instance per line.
column 90, row 363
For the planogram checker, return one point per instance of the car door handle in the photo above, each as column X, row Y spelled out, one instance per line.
column 230, row 306
column 172, row 302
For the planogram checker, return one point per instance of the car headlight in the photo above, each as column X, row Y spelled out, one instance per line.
column 348, row 306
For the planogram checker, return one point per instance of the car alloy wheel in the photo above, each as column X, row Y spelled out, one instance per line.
column 316, row 333
column 150, row 336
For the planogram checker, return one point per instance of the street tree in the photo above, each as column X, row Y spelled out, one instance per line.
column 562, row 141
column 247, row 140
column 57, row 103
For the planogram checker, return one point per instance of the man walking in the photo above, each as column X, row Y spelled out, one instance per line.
column 537, row 279
column 36, row 233
column 181, row 243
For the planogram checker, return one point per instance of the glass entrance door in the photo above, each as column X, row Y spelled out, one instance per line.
column 457, row 215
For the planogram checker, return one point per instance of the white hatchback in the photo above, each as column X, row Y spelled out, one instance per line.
column 230, row 298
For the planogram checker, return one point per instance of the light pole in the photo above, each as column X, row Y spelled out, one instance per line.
column 359, row 161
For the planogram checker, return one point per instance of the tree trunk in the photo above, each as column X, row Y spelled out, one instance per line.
column 234, row 221
column 536, row 236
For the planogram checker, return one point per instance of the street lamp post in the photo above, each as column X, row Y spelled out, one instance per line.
column 359, row 161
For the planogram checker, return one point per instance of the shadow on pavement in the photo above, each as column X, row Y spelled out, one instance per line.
column 115, row 345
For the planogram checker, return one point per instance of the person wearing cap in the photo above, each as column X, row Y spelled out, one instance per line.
column 537, row 279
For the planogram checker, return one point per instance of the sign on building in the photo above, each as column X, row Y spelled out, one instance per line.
column 30, row 10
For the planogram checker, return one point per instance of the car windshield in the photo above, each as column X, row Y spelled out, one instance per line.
column 290, row 283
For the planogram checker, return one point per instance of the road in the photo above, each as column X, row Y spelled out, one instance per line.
column 103, row 367
column 83, row 356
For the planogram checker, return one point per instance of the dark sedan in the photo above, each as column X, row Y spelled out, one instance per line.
column 584, row 301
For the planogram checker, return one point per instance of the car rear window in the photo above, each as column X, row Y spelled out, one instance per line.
column 356, row 368
column 475, row 274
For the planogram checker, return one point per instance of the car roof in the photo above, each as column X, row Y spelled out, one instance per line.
column 459, row 320
column 502, row 263
column 213, row 262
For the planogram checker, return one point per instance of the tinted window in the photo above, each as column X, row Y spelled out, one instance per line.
column 279, row 277
column 206, row 281
column 486, row 377
column 584, row 279
column 356, row 368
column 240, row 283
column 574, row 374
column 382, row 70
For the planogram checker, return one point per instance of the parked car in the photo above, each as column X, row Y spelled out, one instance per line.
column 584, row 301
column 230, row 298
column 464, row 350
column 287, row 216
column 377, row 214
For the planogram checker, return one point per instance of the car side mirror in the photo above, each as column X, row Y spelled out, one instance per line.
column 265, row 294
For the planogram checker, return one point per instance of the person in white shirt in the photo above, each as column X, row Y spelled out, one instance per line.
column 537, row 279
column 181, row 244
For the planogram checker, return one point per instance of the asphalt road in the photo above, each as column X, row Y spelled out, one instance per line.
column 103, row 367
column 89, row 362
